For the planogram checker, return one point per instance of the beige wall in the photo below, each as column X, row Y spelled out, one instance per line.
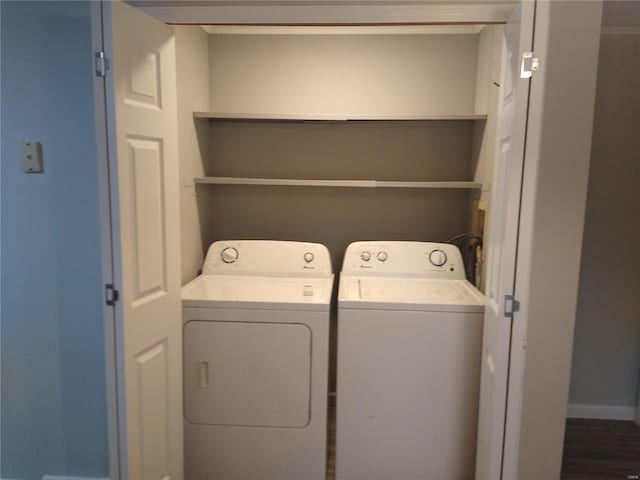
column 192, row 65
column 486, row 101
column 410, row 74
column 391, row 74
column 336, row 217
column 488, row 79
column 606, row 357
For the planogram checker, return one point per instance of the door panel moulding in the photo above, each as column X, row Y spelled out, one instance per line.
column 325, row 13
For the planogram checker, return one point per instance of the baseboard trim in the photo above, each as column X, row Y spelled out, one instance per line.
column 58, row 477
column 601, row 412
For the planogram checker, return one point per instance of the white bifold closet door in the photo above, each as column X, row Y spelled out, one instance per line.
column 502, row 243
column 141, row 110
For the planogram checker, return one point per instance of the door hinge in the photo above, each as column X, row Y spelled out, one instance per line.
column 102, row 64
column 511, row 306
column 529, row 65
column 111, row 295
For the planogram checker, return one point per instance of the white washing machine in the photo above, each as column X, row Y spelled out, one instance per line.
column 256, row 335
column 409, row 353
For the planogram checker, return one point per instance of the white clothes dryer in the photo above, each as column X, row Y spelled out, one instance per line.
column 256, row 335
column 409, row 354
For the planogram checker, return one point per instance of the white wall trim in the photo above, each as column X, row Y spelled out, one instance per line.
column 552, row 216
column 57, row 477
column 620, row 30
column 637, row 418
column 106, row 245
column 602, row 412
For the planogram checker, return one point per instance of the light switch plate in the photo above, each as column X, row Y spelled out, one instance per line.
column 31, row 156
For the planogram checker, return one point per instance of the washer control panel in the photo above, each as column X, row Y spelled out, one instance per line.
column 416, row 259
column 267, row 257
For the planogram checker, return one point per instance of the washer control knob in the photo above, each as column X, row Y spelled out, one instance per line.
column 365, row 256
column 229, row 255
column 437, row 258
column 382, row 256
column 308, row 257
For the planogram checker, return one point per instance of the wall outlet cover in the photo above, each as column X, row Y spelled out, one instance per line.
column 31, row 157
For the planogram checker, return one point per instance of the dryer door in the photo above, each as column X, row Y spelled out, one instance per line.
column 247, row 374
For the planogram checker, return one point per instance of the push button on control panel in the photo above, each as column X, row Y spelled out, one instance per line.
column 382, row 256
column 308, row 257
column 365, row 256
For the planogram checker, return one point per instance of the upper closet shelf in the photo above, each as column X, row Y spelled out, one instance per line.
column 330, row 117
column 333, row 183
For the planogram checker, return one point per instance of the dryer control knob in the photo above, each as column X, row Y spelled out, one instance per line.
column 229, row 255
column 365, row 256
column 437, row 258
column 308, row 257
column 382, row 256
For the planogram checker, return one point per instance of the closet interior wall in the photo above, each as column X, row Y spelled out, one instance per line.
column 394, row 75
column 192, row 80
column 488, row 78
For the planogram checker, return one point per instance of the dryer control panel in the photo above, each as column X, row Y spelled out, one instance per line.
column 411, row 259
column 268, row 258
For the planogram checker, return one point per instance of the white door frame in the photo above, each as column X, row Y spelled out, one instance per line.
column 107, row 246
column 557, row 154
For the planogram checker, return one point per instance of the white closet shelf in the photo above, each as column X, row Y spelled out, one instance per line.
column 333, row 183
column 330, row 117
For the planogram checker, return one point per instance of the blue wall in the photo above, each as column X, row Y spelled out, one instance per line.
column 52, row 341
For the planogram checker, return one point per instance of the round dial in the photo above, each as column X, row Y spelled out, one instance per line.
column 382, row 256
column 437, row 258
column 365, row 256
column 229, row 255
column 308, row 257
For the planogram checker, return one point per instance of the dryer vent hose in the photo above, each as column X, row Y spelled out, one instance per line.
column 470, row 247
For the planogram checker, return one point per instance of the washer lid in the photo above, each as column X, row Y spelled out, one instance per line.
column 409, row 294
column 231, row 291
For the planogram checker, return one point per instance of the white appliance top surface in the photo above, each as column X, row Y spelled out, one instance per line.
column 409, row 294
column 271, row 258
column 407, row 276
column 236, row 291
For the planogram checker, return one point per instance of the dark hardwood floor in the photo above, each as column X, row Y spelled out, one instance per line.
column 601, row 450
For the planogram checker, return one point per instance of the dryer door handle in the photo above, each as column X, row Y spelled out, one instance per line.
column 204, row 374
